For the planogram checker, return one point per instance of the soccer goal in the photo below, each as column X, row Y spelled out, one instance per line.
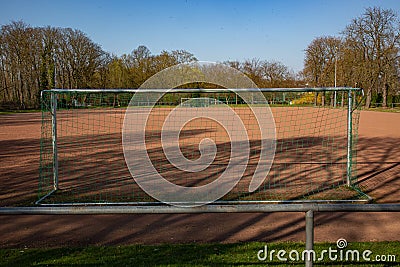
column 83, row 158
column 197, row 102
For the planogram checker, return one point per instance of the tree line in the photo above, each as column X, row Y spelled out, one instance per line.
column 32, row 59
column 365, row 54
column 39, row 58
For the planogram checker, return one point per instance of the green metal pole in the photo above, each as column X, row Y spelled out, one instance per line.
column 54, row 138
column 349, row 137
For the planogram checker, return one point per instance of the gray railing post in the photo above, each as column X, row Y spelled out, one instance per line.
column 309, row 237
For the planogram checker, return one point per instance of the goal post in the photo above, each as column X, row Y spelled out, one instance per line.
column 83, row 159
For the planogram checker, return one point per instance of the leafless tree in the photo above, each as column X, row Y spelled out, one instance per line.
column 372, row 43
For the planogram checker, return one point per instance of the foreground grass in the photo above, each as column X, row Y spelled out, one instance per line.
column 393, row 110
column 239, row 254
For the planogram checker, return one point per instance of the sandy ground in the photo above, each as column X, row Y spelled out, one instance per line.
column 378, row 173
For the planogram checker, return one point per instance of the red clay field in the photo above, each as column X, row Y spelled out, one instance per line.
column 87, row 171
column 309, row 159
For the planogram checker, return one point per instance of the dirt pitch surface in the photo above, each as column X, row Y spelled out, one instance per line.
column 378, row 173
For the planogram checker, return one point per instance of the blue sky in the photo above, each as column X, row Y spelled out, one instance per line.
column 211, row 30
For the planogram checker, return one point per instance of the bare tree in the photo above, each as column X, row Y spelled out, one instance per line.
column 373, row 46
column 275, row 73
column 20, row 64
column 319, row 62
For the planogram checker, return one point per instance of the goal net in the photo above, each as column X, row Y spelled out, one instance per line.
column 82, row 157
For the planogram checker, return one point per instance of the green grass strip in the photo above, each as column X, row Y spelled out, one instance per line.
column 238, row 254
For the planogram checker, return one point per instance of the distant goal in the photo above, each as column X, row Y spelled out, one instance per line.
column 197, row 102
